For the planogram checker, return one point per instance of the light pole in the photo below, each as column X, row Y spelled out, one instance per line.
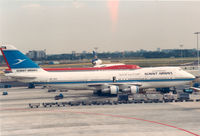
column 197, row 33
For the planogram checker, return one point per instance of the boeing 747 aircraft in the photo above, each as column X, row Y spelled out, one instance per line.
column 112, row 81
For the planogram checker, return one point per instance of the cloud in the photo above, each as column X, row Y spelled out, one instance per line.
column 31, row 6
column 77, row 4
column 52, row 3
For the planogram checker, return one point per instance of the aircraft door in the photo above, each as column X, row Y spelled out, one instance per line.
column 114, row 79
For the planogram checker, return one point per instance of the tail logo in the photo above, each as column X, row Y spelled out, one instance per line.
column 19, row 61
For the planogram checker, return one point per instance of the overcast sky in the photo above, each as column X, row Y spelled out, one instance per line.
column 62, row 26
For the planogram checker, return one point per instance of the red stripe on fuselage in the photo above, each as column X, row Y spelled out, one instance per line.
column 94, row 68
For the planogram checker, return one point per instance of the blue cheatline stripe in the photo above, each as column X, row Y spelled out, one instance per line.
column 118, row 81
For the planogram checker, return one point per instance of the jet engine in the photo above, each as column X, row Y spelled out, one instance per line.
column 111, row 89
column 96, row 62
column 131, row 89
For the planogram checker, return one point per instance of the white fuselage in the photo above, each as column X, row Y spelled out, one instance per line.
column 157, row 77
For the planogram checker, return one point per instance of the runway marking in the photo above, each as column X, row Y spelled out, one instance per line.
column 102, row 114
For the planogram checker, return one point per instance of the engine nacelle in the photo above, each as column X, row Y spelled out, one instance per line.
column 114, row 89
column 111, row 89
column 134, row 89
column 131, row 89
column 96, row 62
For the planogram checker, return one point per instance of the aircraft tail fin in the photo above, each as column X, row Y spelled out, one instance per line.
column 17, row 60
column 94, row 54
column 96, row 61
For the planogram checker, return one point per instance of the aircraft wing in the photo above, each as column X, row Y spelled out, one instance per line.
column 117, row 84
